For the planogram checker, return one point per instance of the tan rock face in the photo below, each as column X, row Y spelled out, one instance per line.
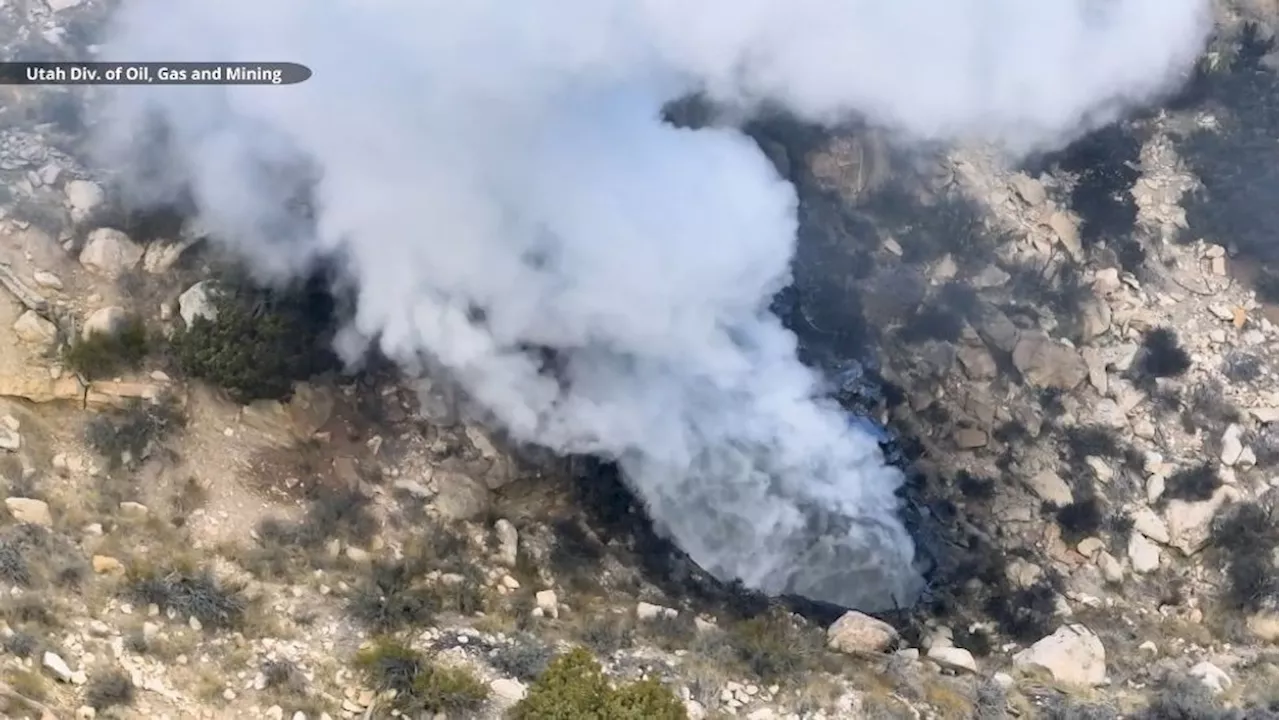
column 41, row 389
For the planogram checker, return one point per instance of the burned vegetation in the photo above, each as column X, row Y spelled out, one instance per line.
column 1234, row 157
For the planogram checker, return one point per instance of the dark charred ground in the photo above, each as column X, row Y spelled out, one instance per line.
column 855, row 306
column 1236, row 162
column 866, row 315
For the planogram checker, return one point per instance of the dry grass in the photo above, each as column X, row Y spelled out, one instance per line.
column 949, row 700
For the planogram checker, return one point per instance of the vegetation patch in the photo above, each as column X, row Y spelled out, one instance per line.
column 523, row 657
column 189, row 594
column 109, row 689
column 575, row 688
column 395, row 594
column 127, row 436
column 774, row 646
column 1185, row 698
column 392, row 596
column 33, row 557
column 1244, row 539
column 1193, row 484
column 1161, row 356
column 260, row 341
column 103, row 355
column 420, row 686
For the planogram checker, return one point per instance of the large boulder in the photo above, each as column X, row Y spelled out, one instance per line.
column 1046, row 363
column 110, row 253
column 1072, row 655
column 856, row 632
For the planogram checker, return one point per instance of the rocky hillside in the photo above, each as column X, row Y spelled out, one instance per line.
column 1075, row 360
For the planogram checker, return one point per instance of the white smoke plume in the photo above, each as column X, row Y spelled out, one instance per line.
column 509, row 158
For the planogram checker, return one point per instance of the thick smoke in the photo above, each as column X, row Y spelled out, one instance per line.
column 495, row 177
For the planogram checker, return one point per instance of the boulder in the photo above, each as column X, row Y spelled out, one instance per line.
column 1046, row 363
column 856, row 632
column 1072, row 655
column 110, row 253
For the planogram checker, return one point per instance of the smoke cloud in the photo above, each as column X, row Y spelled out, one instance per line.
column 495, row 176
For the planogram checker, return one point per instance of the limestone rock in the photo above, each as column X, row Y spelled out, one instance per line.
column 33, row 329
column 1143, row 554
column 1095, row 319
column 508, row 542
column 996, row 329
column 47, row 279
column 1029, row 189
column 110, row 253
column 459, row 497
column 1112, row 569
column 1265, row 415
column 10, row 439
column 1050, row 488
column 649, row 611
column 857, row 632
column 29, row 510
column 1147, row 522
column 1045, row 363
column 1232, row 447
column 1189, row 522
column 953, row 658
column 110, row 393
column 1212, row 677
column 507, row 691
column 103, row 564
column 968, row 438
column 106, row 321
column 160, row 257
column 197, row 302
column 41, row 389
column 1072, row 655
column 976, row 362
column 1064, row 226
column 547, row 602
column 54, row 663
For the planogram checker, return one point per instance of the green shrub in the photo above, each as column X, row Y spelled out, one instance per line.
column 419, row 685
column 260, row 342
column 525, row 657
column 773, row 647
column 575, row 688
column 105, row 355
